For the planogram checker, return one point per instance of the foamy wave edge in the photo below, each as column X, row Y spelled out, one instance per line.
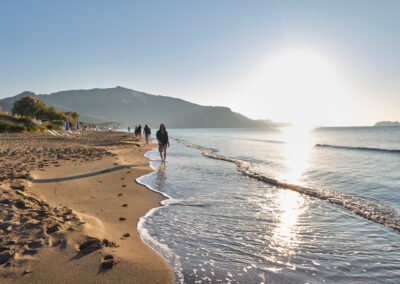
column 381, row 150
column 363, row 207
column 161, row 249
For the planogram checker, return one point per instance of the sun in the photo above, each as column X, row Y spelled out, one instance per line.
column 300, row 86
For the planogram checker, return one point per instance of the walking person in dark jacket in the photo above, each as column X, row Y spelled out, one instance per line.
column 147, row 133
column 138, row 131
column 163, row 141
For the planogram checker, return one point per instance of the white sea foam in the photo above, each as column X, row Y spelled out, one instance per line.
column 161, row 249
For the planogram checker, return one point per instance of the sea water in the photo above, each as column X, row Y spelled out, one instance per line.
column 286, row 205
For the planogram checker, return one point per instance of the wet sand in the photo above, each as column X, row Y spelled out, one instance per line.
column 69, row 210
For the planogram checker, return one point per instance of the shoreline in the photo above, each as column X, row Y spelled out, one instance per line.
column 146, row 238
column 107, row 205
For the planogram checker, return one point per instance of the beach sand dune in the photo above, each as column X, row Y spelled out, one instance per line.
column 69, row 210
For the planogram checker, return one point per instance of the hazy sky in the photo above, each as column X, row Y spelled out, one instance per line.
column 312, row 62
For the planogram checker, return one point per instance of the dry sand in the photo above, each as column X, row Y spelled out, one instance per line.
column 57, row 192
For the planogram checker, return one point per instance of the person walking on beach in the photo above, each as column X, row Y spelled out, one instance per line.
column 129, row 129
column 163, row 141
column 139, row 131
column 147, row 133
column 135, row 132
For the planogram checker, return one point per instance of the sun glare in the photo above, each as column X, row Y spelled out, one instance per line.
column 297, row 147
column 302, row 87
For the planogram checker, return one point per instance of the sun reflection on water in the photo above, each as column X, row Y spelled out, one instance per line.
column 297, row 152
column 290, row 204
column 290, row 207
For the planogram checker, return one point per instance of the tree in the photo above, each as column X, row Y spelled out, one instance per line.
column 28, row 106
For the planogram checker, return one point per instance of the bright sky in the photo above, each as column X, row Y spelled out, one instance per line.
column 309, row 62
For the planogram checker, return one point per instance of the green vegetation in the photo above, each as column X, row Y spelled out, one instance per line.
column 28, row 106
column 26, row 113
column 11, row 124
column 6, row 126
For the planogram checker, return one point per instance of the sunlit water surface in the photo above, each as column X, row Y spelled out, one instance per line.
column 221, row 226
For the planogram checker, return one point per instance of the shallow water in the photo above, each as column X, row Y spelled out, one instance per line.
column 221, row 225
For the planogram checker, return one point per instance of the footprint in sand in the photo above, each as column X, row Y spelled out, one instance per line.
column 126, row 235
column 120, row 194
column 108, row 262
column 122, row 218
column 125, row 205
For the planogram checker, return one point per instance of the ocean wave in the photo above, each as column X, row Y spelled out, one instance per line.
column 179, row 202
column 261, row 140
column 397, row 151
column 367, row 208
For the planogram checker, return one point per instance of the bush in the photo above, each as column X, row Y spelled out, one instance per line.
column 32, row 127
column 4, row 126
column 50, row 114
column 24, row 120
column 52, row 126
column 58, row 122
column 17, row 128
column 8, row 127
column 49, row 126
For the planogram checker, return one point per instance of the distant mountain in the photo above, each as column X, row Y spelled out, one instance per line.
column 387, row 123
column 276, row 124
column 131, row 107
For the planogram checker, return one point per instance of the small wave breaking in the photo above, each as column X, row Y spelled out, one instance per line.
column 179, row 202
column 262, row 140
column 367, row 208
column 160, row 248
column 396, row 151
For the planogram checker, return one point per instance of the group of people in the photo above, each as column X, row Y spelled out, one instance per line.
column 161, row 136
column 138, row 132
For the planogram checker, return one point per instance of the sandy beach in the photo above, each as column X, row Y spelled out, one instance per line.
column 69, row 208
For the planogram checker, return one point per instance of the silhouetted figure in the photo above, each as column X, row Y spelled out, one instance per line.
column 147, row 133
column 138, row 131
column 129, row 129
column 163, row 142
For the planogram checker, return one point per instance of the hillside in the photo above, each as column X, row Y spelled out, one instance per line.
column 131, row 107
column 387, row 123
